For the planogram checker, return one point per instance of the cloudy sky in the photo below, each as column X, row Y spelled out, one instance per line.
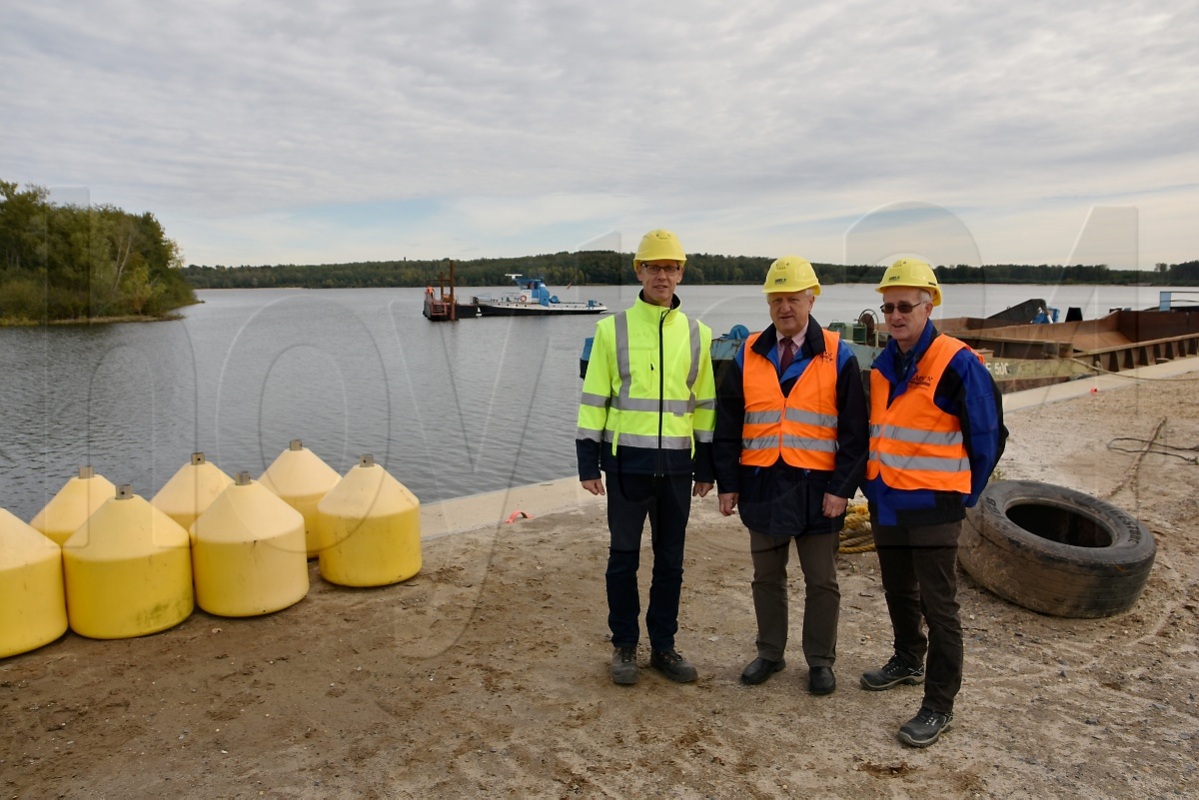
column 312, row 132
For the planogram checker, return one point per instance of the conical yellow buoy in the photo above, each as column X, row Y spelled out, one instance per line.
column 128, row 571
column 191, row 490
column 33, row 605
column 248, row 553
column 369, row 529
column 302, row 480
column 75, row 502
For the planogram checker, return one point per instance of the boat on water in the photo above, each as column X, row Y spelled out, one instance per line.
column 867, row 337
column 1122, row 339
column 1023, row 346
column 532, row 299
column 436, row 309
column 443, row 306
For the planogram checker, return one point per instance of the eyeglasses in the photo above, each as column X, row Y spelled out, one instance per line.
column 902, row 308
column 654, row 269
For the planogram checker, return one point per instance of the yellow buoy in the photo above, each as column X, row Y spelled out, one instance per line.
column 75, row 502
column 302, row 480
column 128, row 571
column 369, row 529
column 33, row 605
column 248, row 553
column 191, row 490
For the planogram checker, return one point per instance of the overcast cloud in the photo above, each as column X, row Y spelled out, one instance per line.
column 310, row 132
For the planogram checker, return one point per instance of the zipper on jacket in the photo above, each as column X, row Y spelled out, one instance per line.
column 661, row 387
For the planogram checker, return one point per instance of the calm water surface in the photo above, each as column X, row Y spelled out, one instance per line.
column 450, row 409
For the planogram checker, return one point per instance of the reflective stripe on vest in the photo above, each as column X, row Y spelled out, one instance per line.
column 800, row 428
column 655, row 421
column 913, row 443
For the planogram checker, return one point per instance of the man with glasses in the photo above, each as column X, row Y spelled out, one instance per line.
column 790, row 451
column 936, row 433
column 645, row 420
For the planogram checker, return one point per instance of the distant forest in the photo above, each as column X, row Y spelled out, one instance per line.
column 607, row 267
column 65, row 262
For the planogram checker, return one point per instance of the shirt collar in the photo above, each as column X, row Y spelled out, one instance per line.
column 797, row 339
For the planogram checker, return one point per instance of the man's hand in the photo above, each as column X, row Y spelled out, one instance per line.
column 834, row 506
column 701, row 489
column 728, row 502
column 595, row 486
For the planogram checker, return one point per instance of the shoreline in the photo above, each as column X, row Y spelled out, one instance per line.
column 24, row 323
column 493, row 509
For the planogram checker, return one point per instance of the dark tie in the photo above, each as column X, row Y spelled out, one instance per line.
column 788, row 355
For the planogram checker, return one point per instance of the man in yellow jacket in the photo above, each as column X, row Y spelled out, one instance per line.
column 645, row 420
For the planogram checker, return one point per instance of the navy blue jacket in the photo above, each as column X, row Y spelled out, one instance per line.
column 967, row 391
column 782, row 500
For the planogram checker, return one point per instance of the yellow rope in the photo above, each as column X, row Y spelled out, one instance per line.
column 856, row 536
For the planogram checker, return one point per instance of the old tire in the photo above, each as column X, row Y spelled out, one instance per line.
column 1056, row 550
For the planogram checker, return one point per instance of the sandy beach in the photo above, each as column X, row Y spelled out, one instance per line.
column 487, row 673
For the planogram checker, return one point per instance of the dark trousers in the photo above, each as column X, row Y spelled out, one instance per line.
column 822, row 597
column 919, row 572
column 667, row 502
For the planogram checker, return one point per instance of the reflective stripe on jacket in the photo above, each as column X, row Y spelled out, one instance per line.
column 801, row 428
column 913, row 443
column 655, row 389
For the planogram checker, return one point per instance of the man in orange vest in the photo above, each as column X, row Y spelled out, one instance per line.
column 790, row 450
column 936, row 433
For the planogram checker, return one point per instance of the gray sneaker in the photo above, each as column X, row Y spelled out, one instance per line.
column 925, row 728
column 624, row 666
column 895, row 672
column 673, row 666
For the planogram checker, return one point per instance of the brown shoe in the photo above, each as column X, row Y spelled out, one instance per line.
column 673, row 666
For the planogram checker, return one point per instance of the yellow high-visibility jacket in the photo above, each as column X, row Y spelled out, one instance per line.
column 649, row 398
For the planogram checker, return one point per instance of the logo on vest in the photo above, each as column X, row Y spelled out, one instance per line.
column 920, row 380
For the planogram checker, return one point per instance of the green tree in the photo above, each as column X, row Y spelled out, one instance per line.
column 75, row 262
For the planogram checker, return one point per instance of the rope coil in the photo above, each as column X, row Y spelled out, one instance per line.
column 856, row 536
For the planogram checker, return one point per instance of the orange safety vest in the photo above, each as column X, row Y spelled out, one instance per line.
column 801, row 427
column 913, row 443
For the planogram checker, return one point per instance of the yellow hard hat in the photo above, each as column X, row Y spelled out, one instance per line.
column 791, row 274
column 914, row 273
column 659, row 245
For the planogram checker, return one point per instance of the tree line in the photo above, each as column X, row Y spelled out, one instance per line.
column 68, row 262
column 610, row 268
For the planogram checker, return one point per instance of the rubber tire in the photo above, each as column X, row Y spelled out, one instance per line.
column 1056, row 550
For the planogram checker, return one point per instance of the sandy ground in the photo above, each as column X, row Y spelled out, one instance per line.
column 487, row 674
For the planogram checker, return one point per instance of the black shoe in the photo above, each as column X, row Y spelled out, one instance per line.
column 624, row 666
column 760, row 669
column 924, row 728
column 894, row 673
column 673, row 666
column 821, row 680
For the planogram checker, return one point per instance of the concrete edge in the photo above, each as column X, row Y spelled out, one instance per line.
column 494, row 509
column 1097, row 383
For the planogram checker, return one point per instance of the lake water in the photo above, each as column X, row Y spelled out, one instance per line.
column 450, row 409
